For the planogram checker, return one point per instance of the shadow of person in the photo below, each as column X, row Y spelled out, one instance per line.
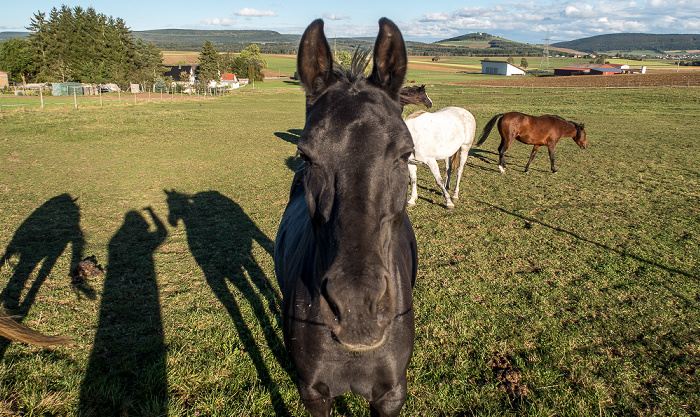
column 126, row 372
column 221, row 236
column 40, row 240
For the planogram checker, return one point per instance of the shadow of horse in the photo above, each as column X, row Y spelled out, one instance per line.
column 40, row 240
column 220, row 237
column 126, row 373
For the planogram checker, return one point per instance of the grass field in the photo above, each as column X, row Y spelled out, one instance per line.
column 571, row 294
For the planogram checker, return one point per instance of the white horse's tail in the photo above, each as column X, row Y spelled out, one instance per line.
column 12, row 330
column 487, row 128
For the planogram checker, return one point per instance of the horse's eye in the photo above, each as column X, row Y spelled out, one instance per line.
column 303, row 157
column 406, row 156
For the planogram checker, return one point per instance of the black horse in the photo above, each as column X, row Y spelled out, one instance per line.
column 345, row 254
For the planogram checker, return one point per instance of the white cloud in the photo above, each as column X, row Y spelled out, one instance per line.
column 528, row 21
column 218, row 21
column 330, row 16
column 247, row 12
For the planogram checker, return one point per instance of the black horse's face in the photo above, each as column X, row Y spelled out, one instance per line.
column 355, row 148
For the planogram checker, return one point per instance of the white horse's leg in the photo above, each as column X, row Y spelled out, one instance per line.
column 463, row 155
column 413, row 174
column 435, row 170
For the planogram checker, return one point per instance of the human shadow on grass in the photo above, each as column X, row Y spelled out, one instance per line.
column 529, row 221
column 126, row 372
column 40, row 240
column 221, row 235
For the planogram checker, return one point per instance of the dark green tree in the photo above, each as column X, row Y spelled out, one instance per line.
column 76, row 44
column 208, row 63
column 523, row 63
column 149, row 64
column 253, row 62
column 16, row 59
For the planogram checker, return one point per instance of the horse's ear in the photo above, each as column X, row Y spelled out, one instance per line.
column 390, row 58
column 582, row 126
column 315, row 61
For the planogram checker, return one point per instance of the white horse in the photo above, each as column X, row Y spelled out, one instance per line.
column 438, row 136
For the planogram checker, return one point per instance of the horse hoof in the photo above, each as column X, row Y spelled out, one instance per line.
column 409, row 204
column 450, row 206
column 502, row 169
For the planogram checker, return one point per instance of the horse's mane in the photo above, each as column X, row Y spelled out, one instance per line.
column 414, row 115
column 576, row 125
column 356, row 71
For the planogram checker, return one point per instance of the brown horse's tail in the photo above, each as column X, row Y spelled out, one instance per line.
column 487, row 128
column 12, row 330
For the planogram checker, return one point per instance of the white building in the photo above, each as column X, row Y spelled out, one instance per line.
column 500, row 68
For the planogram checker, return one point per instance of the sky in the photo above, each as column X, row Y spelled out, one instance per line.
column 527, row 21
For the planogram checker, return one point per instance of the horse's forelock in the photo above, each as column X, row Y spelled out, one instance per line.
column 358, row 65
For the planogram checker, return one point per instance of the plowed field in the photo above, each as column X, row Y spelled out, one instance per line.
column 653, row 79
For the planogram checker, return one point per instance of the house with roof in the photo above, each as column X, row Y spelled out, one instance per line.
column 4, row 79
column 500, row 68
column 176, row 72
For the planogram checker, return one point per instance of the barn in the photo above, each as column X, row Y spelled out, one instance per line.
column 500, row 68
column 588, row 69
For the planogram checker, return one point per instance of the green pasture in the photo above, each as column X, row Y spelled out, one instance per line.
column 281, row 64
column 569, row 294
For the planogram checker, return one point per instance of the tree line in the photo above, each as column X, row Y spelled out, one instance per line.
column 82, row 45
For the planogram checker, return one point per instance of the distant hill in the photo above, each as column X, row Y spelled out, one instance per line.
column 7, row 35
column 223, row 40
column 475, row 44
column 198, row 37
column 626, row 42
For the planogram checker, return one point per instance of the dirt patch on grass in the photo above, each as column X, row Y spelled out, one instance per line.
column 508, row 377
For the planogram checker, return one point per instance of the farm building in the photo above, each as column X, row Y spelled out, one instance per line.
column 500, row 68
column 4, row 79
column 588, row 69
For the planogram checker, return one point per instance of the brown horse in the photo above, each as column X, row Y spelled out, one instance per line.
column 533, row 130
column 414, row 94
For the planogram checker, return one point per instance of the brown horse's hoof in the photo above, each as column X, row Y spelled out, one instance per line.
column 502, row 169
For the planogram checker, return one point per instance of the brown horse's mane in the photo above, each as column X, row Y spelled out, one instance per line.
column 576, row 125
